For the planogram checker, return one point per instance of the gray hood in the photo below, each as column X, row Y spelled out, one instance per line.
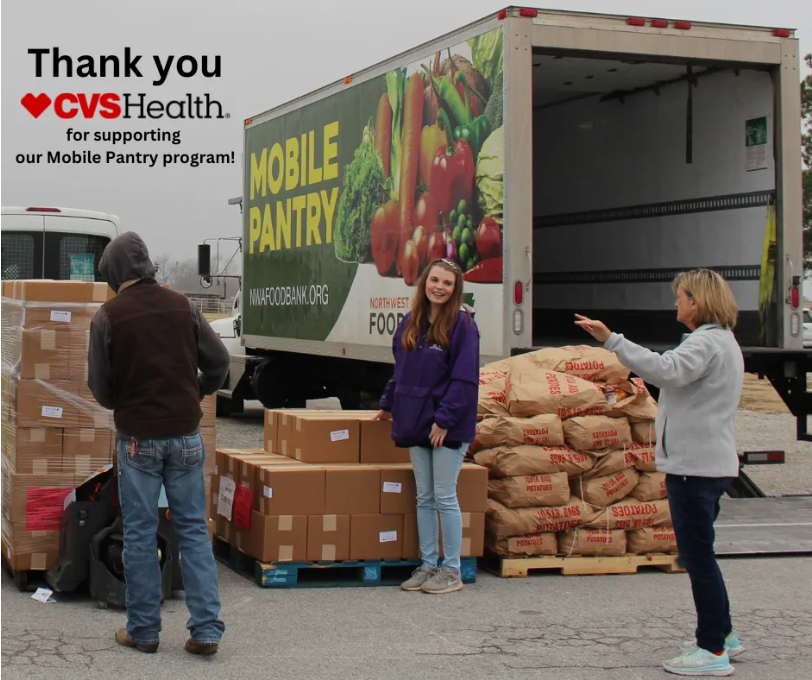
column 125, row 258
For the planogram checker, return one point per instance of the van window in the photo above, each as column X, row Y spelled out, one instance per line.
column 79, row 256
column 17, row 256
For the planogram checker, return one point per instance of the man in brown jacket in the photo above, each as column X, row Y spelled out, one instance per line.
column 152, row 358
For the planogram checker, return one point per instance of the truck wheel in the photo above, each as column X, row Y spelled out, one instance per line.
column 278, row 384
column 224, row 408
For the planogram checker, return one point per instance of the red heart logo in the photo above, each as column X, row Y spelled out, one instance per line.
column 36, row 105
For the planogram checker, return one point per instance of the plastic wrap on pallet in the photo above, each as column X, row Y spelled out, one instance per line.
column 54, row 434
column 51, row 422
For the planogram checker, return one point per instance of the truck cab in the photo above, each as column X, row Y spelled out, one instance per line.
column 228, row 328
column 63, row 244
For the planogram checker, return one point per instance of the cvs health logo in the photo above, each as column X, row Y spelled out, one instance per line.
column 68, row 105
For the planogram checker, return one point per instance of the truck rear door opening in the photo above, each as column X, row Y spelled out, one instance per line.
column 643, row 169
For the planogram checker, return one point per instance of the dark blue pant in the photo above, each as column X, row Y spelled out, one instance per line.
column 694, row 508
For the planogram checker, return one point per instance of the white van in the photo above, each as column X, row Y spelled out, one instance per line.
column 63, row 244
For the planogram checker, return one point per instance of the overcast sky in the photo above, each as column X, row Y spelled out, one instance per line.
column 270, row 53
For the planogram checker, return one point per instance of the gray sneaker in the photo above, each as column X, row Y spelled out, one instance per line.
column 444, row 580
column 418, row 578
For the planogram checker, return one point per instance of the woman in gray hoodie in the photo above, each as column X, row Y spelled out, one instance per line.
column 700, row 385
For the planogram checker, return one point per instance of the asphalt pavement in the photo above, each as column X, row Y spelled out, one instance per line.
column 545, row 626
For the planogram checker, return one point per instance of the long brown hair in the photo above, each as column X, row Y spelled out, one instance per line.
column 440, row 331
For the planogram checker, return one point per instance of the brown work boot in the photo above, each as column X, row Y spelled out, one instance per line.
column 203, row 648
column 123, row 638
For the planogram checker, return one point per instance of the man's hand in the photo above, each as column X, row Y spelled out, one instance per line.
column 437, row 435
column 382, row 415
column 597, row 329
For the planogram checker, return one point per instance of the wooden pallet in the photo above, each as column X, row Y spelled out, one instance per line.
column 582, row 566
column 350, row 573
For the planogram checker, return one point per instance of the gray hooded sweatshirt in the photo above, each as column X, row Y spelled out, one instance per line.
column 125, row 262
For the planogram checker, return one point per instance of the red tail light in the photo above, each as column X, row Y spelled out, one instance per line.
column 659, row 23
column 518, row 293
column 796, row 297
column 636, row 21
column 502, row 14
column 683, row 25
column 782, row 33
column 43, row 210
column 528, row 12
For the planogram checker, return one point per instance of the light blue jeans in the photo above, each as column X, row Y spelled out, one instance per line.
column 177, row 464
column 435, row 473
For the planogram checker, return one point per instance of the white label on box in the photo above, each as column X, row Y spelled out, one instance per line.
column 63, row 317
column 225, row 501
column 388, row 536
column 339, row 435
column 392, row 487
column 268, row 491
column 51, row 411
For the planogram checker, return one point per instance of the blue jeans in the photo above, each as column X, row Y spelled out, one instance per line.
column 435, row 473
column 694, row 505
column 177, row 464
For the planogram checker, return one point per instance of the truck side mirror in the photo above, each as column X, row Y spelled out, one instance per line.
column 204, row 260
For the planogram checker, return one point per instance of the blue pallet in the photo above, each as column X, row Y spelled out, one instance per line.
column 349, row 573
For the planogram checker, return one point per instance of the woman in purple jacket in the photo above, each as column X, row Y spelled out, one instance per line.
column 432, row 402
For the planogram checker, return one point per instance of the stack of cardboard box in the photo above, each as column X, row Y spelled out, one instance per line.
column 54, row 433
column 330, row 485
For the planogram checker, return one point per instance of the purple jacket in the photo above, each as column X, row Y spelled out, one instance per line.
column 432, row 385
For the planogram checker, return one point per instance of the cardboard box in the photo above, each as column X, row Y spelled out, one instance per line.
column 291, row 490
column 51, row 404
column 59, row 315
column 473, row 536
column 472, row 488
column 376, row 537
column 46, row 290
column 322, row 439
column 209, row 408
column 36, row 501
column 398, row 490
column 84, row 450
column 277, row 538
column 91, row 414
column 27, row 550
column 328, row 538
column 278, row 424
column 247, row 469
column 352, row 490
column 209, row 436
column 377, row 445
column 50, row 354
column 36, row 451
column 222, row 456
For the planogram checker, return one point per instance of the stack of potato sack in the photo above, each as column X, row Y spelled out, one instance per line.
column 569, row 442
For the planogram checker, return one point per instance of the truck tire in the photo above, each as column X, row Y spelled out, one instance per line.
column 279, row 384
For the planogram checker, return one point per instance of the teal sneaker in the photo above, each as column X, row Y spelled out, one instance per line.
column 733, row 646
column 700, row 662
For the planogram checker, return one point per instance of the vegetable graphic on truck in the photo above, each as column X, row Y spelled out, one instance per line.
column 357, row 192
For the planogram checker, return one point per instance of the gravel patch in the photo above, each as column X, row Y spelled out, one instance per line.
column 243, row 431
column 755, row 431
